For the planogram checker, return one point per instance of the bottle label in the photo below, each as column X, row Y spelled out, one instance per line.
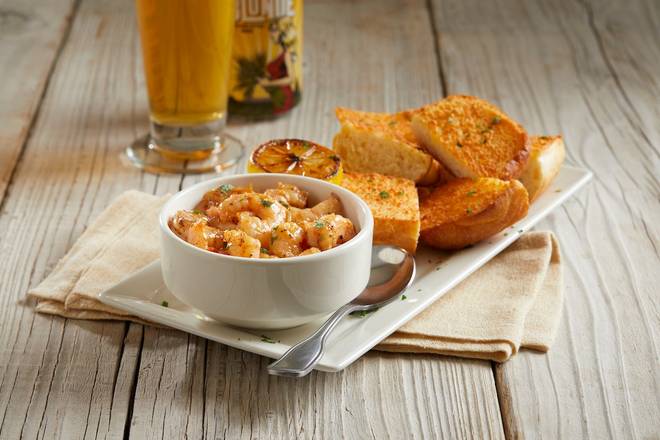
column 267, row 55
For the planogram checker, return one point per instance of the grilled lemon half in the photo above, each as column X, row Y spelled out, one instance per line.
column 296, row 156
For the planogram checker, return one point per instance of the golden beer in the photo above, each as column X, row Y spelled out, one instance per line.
column 186, row 47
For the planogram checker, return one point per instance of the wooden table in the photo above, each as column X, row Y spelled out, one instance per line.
column 72, row 97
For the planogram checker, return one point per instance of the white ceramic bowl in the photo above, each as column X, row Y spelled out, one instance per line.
column 267, row 293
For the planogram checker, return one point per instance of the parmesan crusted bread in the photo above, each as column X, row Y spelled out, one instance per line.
column 394, row 205
column 466, row 211
column 384, row 143
column 545, row 159
column 472, row 137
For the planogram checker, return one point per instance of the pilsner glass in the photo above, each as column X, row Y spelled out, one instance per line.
column 186, row 48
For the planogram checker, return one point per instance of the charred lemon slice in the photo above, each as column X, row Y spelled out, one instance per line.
column 296, row 156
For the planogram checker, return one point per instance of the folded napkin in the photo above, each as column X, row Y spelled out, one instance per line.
column 513, row 301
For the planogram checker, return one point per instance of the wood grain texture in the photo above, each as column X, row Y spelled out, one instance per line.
column 65, row 378
column 382, row 395
column 233, row 397
column 31, row 34
column 70, row 379
column 591, row 73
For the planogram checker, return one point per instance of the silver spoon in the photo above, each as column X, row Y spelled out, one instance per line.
column 392, row 271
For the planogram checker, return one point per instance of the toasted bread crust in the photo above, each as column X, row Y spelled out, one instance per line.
column 545, row 160
column 384, row 143
column 465, row 211
column 394, row 204
column 472, row 137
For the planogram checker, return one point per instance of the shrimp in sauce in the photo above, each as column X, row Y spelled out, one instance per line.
column 277, row 223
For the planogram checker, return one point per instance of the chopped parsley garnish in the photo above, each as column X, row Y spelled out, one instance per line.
column 363, row 313
column 471, row 192
column 404, row 297
column 384, row 195
column 506, row 233
column 226, row 188
column 266, row 203
column 265, row 338
column 264, row 251
column 164, row 304
column 496, row 120
column 391, row 123
column 468, row 211
column 400, row 193
column 318, row 224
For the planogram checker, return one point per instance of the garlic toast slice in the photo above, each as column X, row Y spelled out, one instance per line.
column 394, row 204
column 465, row 211
column 545, row 159
column 384, row 143
column 472, row 137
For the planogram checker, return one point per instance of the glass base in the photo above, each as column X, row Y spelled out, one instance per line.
column 145, row 154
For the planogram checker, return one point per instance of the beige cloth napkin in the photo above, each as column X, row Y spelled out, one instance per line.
column 513, row 301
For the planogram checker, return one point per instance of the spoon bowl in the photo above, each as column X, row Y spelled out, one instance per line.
column 392, row 271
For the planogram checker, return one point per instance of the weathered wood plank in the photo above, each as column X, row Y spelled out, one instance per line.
column 544, row 64
column 353, row 59
column 66, row 378
column 31, row 34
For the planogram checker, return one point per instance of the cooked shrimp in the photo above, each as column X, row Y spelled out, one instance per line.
column 265, row 253
column 288, row 195
column 254, row 227
column 310, row 251
column 239, row 244
column 203, row 236
column 276, row 224
column 286, row 240
column 183, row 220
column 297, row 215
column 260, row 205
column 329, row 231
column 330, row 205
column 219, row 194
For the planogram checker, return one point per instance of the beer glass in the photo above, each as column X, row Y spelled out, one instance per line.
column 186, row 48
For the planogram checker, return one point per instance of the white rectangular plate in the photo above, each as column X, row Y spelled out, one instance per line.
column 142, row 294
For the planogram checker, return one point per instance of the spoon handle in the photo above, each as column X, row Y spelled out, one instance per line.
column 300, row 359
